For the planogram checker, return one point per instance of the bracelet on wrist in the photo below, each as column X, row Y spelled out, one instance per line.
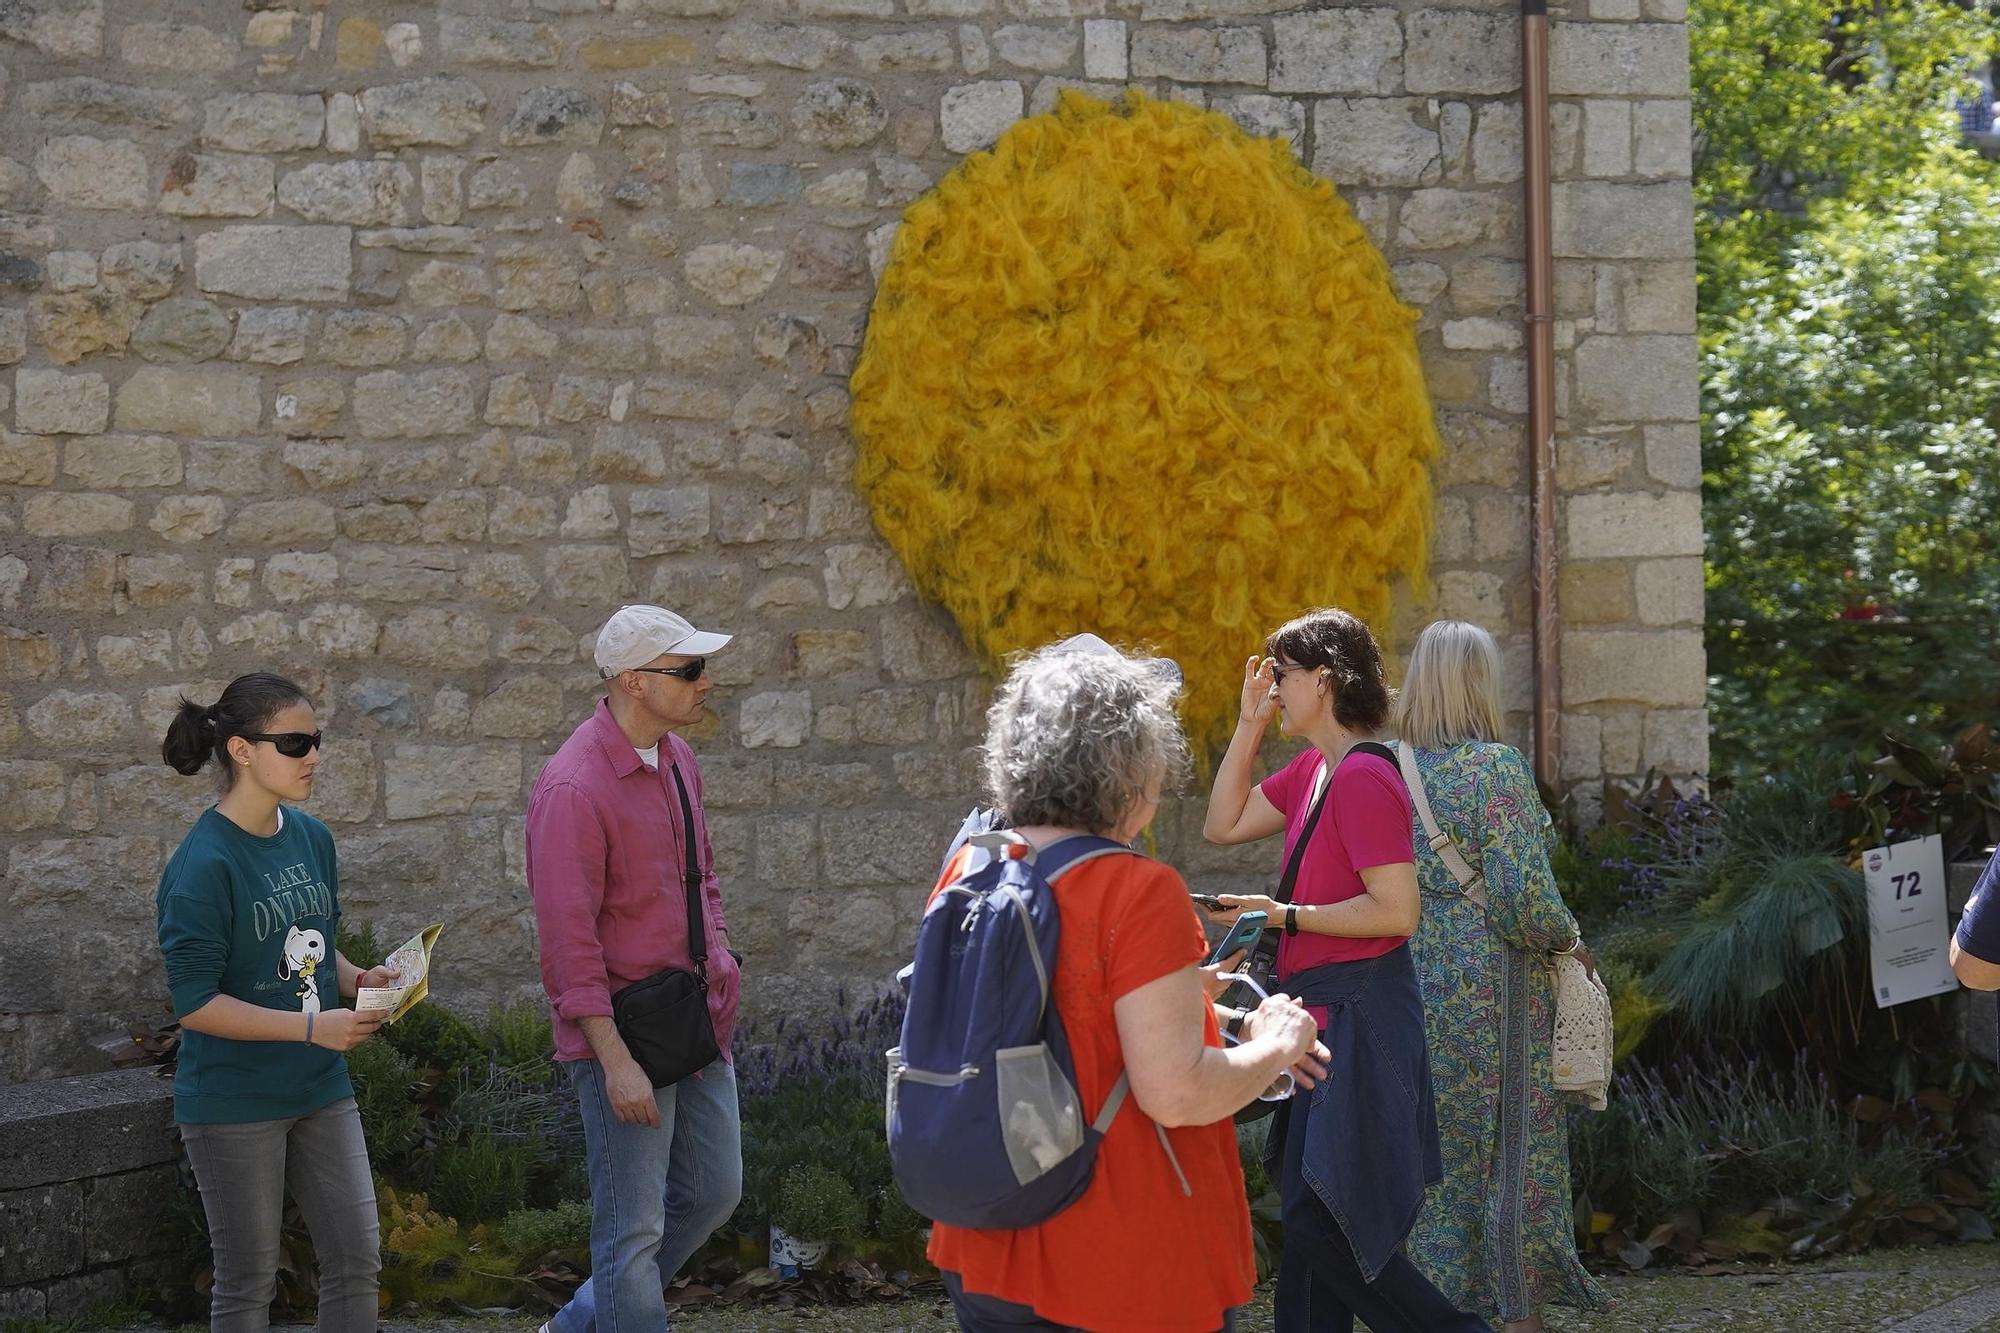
column 1574, row 945
column 309, row 1026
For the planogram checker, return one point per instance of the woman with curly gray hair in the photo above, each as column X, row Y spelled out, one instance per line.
column 1082, row 742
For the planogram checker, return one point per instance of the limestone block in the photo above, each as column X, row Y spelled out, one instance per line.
column 1662, row 139
column 1656, row 297
column 1673, row 455
column 667, row 519
column 275, row 263
column 1200, row 55
column 48, row 402
column 1638, row 377
column 1633, row 524
column 1105, row 52
column 263, row 122
column 1677, row 740
column 921, row 645
column 1344, row 50
column 1595, row 592
column 26, row 460
column 123, row 462
column 1267, row 117
column 73, row 514
column 70, row 270
column 94, row 720
column 838, row 113
column 282, row 523
column 1607, row 137
column 1618, row 59
column 745, row 518
column 498, row 43
column 438, row 638
column 444, row 111
column 414, row 405
column 518, row 338
column 1438, row 219
column 142, row 270
column 553, row 116
column 1595, row 219
column 1033, row 46
column 85, row 172
column 183, row 328
column 905, row 51
column 423, row 780
column 121, row 655
column 189, row 402
column 523, row 706
column 439, row 283
column 1496, row 144
column 591, row 514
column 693, row 344
column 295, row 576
column 1584, row 462
column 183, row 47
column 730, row 123
column 309, row 407
column 792, row 46
column 13, row 335
column 345, row 783
column 158, row 580
column 861, row 576
column 358, row 192
column 62, row 103
column 780, row 719
column 188, row 518
column 536, row 277
column 587, row 575
column 621, row 53
column 1669, row 591
column 975, row 114
column 733, row 274
column 217, row 185
column 1376, row 141
column 73, row 325
column 496, row 185
column 875, row 847
column 343, row 123
column 1461, row 52
column 501, row 578
column 63, row 29
column 1658, row 668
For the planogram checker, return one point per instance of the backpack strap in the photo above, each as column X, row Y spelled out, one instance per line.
column 1472, row 883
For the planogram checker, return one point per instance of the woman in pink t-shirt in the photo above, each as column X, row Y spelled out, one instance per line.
column 1353, row 1159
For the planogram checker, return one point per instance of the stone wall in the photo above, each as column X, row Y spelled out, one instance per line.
column 390, row 346
column 86, row 1181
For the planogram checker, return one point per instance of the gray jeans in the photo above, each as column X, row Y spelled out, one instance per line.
column 243, row 1170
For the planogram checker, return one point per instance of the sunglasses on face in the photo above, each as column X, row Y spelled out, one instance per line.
column 1279, row 670
column 291, row 744
column 689, row 673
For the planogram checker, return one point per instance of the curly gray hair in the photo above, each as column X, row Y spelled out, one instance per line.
column 1074, row 739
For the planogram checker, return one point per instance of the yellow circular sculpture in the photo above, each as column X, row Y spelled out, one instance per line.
column 1135, row 372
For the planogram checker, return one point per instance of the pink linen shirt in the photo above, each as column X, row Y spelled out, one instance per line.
column 605, row 867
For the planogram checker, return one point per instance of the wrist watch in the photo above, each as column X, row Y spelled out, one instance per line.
column 1291, row 919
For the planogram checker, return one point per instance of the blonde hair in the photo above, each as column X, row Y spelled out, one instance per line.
column 1451, row 689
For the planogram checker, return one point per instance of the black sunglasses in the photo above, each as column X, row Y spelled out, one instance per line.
column 291, row 744
column 689, row 673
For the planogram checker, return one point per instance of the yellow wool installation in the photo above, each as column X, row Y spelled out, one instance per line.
column 1135, row 372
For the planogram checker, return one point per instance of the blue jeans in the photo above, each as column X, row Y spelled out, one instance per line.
column 656, row 1195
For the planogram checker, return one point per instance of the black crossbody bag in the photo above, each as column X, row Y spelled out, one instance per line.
column 664, row 1018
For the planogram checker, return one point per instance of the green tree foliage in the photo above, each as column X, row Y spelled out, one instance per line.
column 1850, row 355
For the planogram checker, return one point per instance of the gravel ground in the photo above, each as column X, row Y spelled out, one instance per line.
column 1907, row 1291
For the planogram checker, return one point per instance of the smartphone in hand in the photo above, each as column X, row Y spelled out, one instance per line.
column 1243, row 935
column 1208, row 902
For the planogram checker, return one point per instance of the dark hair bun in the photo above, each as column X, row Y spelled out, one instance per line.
column 190, row 738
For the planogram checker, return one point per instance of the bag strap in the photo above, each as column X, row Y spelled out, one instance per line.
column 691, row 880
column 1470, row 882
column 1288, row 881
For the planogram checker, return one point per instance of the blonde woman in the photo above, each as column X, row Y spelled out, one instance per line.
column 1496, row 1236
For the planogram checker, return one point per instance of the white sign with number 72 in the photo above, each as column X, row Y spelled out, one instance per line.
column 1908, row 932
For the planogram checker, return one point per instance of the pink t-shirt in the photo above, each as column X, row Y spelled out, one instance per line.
column 1366, row 823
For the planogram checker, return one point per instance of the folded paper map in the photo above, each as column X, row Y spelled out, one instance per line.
column 412, row 959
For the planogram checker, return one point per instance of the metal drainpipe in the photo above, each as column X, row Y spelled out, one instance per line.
column 1541, row 332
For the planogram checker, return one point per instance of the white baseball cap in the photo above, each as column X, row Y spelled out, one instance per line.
column 638, row 634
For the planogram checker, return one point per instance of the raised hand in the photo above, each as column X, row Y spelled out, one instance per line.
column 1258, row 701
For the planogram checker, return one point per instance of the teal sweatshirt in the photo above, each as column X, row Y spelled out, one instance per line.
column 252, row 918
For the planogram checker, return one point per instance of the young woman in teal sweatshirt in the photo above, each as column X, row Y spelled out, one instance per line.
column 247, row 910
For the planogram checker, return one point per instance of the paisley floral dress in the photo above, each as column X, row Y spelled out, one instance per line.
column 1496, row 1237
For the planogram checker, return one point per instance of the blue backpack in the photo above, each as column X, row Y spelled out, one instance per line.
column 985, row 1129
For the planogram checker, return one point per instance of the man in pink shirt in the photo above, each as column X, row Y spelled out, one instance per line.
column 607, row 856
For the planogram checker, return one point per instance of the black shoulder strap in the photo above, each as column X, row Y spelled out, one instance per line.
column 697, row 921
column 1289, row 880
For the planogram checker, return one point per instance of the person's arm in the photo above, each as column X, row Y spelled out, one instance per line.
column 1238, row 810
column 1523, row 901
column 1177, row 1078
column 239, row 1020
column 1975, row 945
column 567, row 851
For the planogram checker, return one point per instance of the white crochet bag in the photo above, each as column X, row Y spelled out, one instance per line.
column 1581, row 1056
